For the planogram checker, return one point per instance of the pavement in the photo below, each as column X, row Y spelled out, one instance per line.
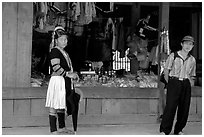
column 192, row 128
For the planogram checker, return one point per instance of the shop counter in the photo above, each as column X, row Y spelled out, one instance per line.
column 26, row 106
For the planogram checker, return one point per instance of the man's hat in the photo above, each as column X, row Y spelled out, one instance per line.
column 188, row 38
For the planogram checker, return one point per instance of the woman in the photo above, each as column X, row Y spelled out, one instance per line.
column 60, row 85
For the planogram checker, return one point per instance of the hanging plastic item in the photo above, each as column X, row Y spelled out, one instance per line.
column 164, row 48
column 165, row 42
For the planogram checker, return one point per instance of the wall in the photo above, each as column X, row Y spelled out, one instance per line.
column 26, row 106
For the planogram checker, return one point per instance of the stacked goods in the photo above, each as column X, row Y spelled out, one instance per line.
column 91, row 79
column 142, row 80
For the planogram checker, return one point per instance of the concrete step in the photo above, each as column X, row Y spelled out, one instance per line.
column 192, row 128
column 90, row 120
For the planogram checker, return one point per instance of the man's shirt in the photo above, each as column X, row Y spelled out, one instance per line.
column 181, row 68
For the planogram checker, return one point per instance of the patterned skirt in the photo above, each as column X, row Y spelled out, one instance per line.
column 56, row 93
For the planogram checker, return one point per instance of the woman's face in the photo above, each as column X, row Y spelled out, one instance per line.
column 62, row 41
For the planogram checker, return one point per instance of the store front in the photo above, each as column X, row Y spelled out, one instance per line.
column 109, row 86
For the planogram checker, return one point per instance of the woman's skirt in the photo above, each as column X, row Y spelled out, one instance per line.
column 56, row 93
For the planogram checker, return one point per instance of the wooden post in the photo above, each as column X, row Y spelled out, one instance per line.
column 24, row 44
column 196, row 33
column 9, row 44
column 165, row 15
column 200, row 36
column 135, row 15
column 17, row 23
column 134, row 65
column 163, row 22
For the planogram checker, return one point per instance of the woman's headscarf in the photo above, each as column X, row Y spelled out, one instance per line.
column 58, row 32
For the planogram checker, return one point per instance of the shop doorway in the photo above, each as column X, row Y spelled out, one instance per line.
column 179, row 25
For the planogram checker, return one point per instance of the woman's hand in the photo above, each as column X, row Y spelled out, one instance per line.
column 73, row 76
column 76, row 77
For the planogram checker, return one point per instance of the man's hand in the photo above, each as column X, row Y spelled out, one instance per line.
column 166, row 75
column 192, row 81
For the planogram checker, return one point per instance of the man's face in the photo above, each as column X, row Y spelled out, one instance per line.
column 187, row 46
column 148, row 18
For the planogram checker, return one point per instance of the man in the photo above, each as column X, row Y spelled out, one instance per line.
column 138, row 43
column 143, row 27
column 179, row 72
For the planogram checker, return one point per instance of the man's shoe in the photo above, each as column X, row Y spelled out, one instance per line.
column 179, row 133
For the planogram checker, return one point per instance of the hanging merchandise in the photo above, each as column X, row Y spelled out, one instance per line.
column 47, row 15
column 109, row 28
column 133, row 46
column 165, row 42
column 164, row 49
column 109, row 6
column 153, row 56
column 121, row 39
column 40, row 14
column 82, row 14
column 75, row 7
column 81, row 19
column 69, row 17
column 112, row 26
column 115, row 31
column 60, row 9
column 44, row 9
column 90, row 11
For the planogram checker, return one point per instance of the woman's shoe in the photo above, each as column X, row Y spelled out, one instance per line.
column 54, row 133
column 162, row 133
column 65, row 131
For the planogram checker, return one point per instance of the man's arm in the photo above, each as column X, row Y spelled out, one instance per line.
column 166, row 74
column 193, row 73
column 150, row 28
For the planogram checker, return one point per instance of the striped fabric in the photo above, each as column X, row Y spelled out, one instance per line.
column 181, row 68
column 57, row 68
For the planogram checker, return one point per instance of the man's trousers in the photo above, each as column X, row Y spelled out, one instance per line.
column 178, row 98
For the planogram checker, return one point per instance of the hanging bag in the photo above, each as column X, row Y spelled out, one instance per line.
column 162, row 79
